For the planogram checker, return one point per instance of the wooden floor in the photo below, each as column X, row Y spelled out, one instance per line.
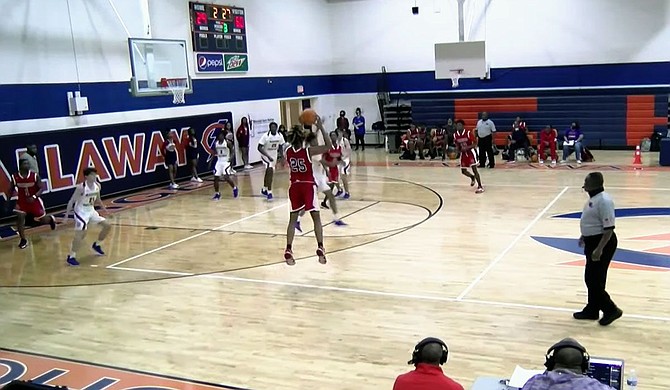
column 198, row 289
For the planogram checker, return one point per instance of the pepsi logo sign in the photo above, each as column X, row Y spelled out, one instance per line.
column 209, row 62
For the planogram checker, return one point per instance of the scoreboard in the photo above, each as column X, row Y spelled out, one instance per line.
column 218, row 28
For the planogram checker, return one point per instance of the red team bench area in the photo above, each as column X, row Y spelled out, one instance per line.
column 500, row 137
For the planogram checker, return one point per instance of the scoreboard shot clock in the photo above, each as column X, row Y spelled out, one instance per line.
column 218, row 28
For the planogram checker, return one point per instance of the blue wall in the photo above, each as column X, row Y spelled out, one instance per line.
column 126, row 155
column 19, row 101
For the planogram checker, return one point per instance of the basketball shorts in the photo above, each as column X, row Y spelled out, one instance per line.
column 223, row 168
column 34, row 208
column 333, row 175
column 469, row 158
column 345, row 166
column 321, row 179
column 303, row 196
column 192, row 153
column 267, row 163
column 85, row 216
column 170, row 158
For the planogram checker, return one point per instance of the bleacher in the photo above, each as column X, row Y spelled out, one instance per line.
column 613, row 119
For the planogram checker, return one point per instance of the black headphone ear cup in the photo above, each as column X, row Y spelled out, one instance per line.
column 586, row 362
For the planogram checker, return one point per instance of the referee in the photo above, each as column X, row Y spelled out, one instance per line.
column 599, row 242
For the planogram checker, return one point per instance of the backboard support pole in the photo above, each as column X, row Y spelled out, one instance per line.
column 461, row 21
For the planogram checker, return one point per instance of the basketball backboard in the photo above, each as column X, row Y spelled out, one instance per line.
column 153, row 60
column 468, row 58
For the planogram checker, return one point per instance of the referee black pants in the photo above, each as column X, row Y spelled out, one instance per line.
column 595, row 275
column 486, row 151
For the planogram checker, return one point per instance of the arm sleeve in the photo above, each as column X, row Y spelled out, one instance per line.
column 606, row 213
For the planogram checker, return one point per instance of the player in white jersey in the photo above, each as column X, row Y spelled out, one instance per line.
column 345, row 166
column 223, row 153
column 86, row 195
column 321, row 181
column 269, row 146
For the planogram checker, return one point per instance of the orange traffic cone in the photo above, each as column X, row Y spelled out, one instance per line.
column 637, row 160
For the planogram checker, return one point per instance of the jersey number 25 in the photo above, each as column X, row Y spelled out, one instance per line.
column 298, row 165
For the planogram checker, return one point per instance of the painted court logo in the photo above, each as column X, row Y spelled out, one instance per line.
column 46, row 370
column 655, row 259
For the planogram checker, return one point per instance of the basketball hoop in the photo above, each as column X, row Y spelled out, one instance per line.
column 455, row 76
column 177, row 87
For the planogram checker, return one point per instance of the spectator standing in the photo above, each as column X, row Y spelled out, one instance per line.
column 485, row 130
column 451, row 129
column 359, row 128
column 567, row 363
column 191, row 146
column 343, row 125
column 31, row 156
column 572, row 141
column 429, row 354
column 243, row 141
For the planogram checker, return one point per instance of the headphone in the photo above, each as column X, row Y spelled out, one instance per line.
column 550, row 359
column 416, row 355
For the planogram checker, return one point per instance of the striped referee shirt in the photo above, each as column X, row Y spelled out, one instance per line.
column 598, row 215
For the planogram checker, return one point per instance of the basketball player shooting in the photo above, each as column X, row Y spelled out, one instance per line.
column 302, row 192
column 269, row 146
column 83, row 201
column 27, row 187
column 322, row 166
column 465, row 142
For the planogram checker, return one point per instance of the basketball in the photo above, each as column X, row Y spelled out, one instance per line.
column 533, row 158
column 452, row 155
column 308, row 117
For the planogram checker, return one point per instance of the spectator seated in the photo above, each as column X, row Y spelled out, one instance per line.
column 572, row 142
column 519, row 143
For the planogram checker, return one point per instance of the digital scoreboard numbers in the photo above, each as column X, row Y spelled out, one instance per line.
column 218, row 28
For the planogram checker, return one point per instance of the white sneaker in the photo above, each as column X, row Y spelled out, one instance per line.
column 562, row 161
column 248, row 167
column 174, row 186
column 541, row 161
column 194, row 179
column 199, row 180
column 579, row 161
column 553, row 162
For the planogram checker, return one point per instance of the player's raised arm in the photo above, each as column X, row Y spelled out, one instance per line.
column 321, row 149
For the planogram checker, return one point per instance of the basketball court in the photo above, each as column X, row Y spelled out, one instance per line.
column 422, row 255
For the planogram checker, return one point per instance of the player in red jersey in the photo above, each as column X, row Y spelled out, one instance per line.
column 302, row 192
column 466, row 144
column 28, row 187
column 439, row 142
column 331, row 161
column 415, row 143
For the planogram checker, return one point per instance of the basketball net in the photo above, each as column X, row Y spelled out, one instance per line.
column 455, row 76
column 178, row 88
